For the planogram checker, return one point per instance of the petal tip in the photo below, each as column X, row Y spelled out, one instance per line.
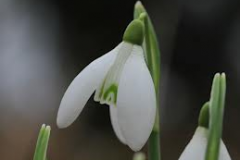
column 61, row 123
column 135, row 148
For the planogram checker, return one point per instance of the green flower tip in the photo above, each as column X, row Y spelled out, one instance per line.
column 139, row 5
column 143, row 16
column 203, row 119
column 138, row 9
column 139, row 156
column 134, row 33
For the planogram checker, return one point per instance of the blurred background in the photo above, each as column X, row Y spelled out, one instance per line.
column 45, row 44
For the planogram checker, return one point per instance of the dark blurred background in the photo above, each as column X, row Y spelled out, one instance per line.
column 45, row 44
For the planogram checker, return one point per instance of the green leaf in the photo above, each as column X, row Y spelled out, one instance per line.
column 42, row 143
column 216, row 110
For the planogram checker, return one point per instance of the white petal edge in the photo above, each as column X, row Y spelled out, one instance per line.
column 115, row 124
column 198, row 144
column 82, row 87
column 136, row 102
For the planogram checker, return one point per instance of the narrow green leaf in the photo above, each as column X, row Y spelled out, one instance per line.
column 216, row 108
column 42, row 143
column 40, row 137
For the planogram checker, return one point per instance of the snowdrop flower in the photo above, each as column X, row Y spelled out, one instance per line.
column 121, row 80
column 197, row 147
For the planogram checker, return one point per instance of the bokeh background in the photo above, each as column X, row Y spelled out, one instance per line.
column 45, row 44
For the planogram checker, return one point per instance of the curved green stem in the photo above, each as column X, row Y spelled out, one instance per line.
column 152, row 56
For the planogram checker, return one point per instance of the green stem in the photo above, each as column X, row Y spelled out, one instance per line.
column 152, row 57
column 153, row 146
column 216, row 110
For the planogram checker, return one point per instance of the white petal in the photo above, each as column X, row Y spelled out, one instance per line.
column 223, row 155
column 82, row 87
column 197, row 147
column 136, row 102
column 115, row 124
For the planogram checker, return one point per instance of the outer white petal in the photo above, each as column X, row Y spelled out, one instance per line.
column 197, row 147
column 82, row 88
column 224, row 155
column 115, row 124
column 136, row 102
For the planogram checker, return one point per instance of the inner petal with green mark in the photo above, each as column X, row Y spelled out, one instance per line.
column 106, row 93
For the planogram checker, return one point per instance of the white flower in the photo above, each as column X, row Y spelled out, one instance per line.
column 122, row 80
column 197, row 147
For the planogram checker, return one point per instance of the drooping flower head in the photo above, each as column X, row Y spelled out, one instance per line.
column 121, row 80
